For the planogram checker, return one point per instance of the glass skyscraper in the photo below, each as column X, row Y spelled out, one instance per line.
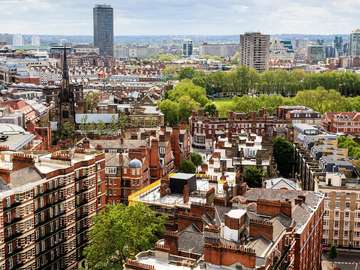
column 104, row 29
column 355, row 43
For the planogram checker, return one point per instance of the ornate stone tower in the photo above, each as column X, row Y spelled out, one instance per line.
column 66, row 99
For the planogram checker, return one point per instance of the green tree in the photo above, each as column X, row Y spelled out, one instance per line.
column 122, row 121
column 210, row 108
column 332, row 253
column 84, row 126
column 196, row 159
column 253, row 177
column 91, row 101
column 101, row 127
column 186, row 106
column 170, row 109
column 67, row 131
column 119, row 233
column 284, row 154
column 186, row 73
column 188, row 88
column 187, row 166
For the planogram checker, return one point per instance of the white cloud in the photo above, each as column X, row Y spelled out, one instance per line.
column 218, row 17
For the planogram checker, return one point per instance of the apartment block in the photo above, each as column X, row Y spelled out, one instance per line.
column 47, row 205
column 255, row 50
column 205, row 129
column 342, row 211
column 342, row 122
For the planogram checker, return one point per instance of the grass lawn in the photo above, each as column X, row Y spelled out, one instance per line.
column 223, row 106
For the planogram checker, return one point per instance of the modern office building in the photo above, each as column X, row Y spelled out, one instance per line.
column 104, row 29
column 35, row 41
column 220, row 50
column 315, row 54
column 339, row 45
column 18, row 40
column 254, row 49
column 281, row 51
column 355, row 43
column 187, row 48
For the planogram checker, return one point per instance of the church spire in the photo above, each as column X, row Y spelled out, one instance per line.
column 65, row 75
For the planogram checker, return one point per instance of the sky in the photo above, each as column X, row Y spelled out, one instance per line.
column 183, row 17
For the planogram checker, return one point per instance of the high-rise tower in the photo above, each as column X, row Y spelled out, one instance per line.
column 104, row 29
column 355, row 43
column 254, row 49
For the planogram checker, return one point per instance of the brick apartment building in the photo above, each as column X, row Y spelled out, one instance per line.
column 131, row 164
column 343, row 122
column 126, row 173
column 298, row 114
column 258, row 229
column 342, row 211
column 204, row 129
column 47, row 204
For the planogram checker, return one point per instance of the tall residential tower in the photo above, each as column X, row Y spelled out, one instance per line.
column 104, row 29
column 254, row 49
column 355, row 43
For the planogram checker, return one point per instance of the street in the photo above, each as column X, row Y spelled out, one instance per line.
column 344, row 261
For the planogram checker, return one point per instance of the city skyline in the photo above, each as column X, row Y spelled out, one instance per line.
column 162, row 17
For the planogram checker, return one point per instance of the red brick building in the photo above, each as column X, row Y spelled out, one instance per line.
column 132, row 164
column 204, row 129
column 343, row 122
column 126, row 173
column 47, row 204
column 259, row 229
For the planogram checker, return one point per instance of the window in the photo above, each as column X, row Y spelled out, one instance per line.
column 8, row 202
column 11, row 263
column 347, row 205
column 110, row 170
column 347, row 214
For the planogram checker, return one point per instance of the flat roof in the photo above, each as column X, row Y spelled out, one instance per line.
column 183, row 176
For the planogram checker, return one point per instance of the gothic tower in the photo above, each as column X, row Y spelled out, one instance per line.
column 66, row 112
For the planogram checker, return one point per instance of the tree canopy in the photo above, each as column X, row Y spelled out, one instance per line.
column 351, row 145
column 284, row 154
column 67, row 131
column 187, row 166
column 181, row 101
column 244, row 80
column 119, row 233
column 332, row 253
column 196, row 159
column 91, row 101
column 253, row 176
column 319, row 99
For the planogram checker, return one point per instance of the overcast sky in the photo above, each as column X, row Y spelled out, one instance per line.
column 208, row 17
